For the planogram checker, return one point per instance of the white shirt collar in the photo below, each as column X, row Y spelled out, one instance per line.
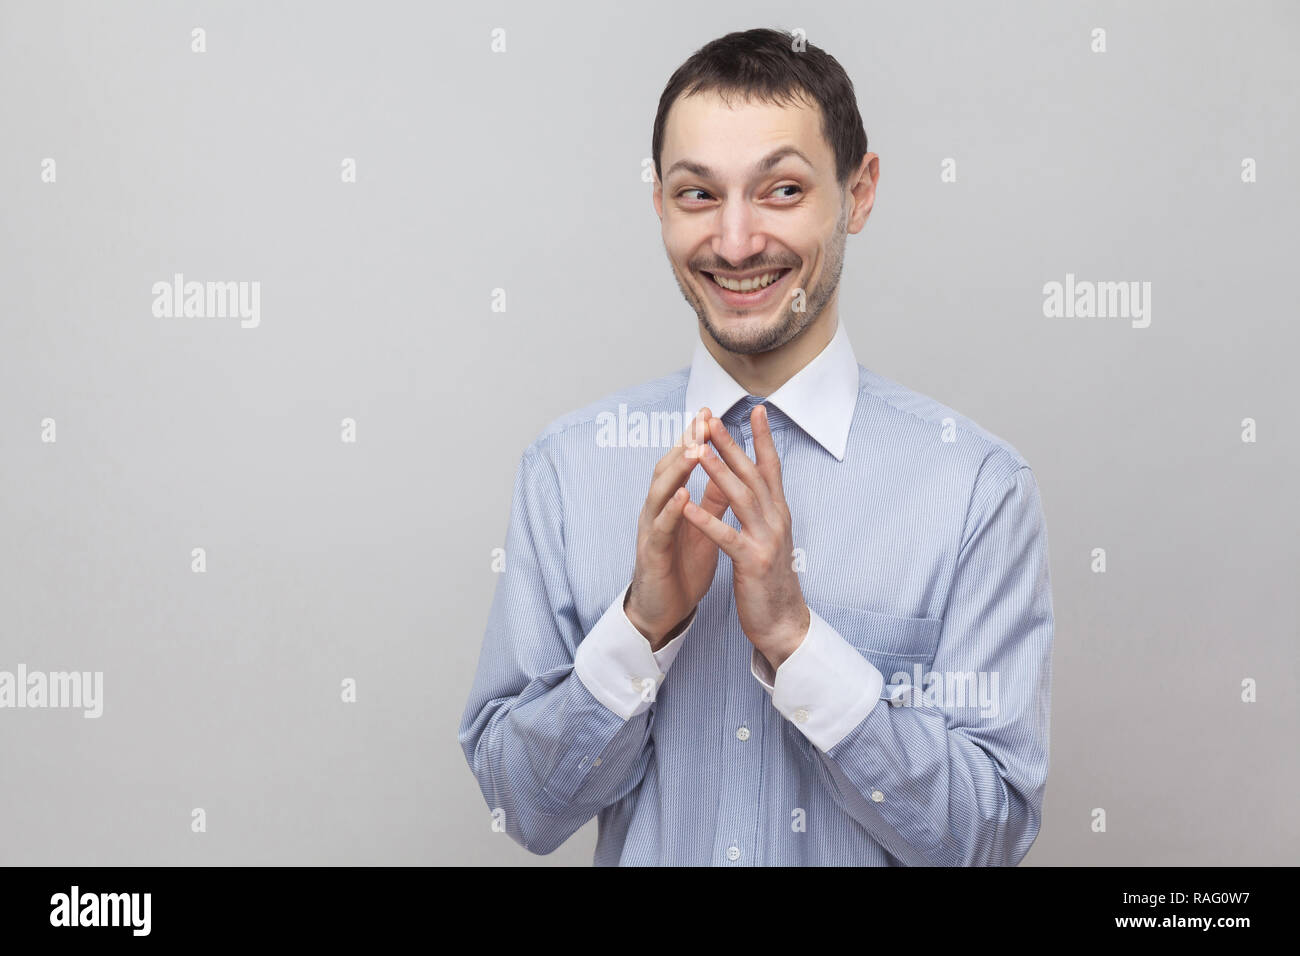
column 819, row 398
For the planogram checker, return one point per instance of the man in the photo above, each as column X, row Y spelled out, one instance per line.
column 823, row 637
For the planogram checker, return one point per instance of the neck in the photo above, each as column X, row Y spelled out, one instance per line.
column 763, row 373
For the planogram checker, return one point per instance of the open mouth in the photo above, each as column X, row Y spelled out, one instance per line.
column 750, row 290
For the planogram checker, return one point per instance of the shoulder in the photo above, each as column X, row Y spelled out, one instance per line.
column 924, row 420
column 581, row 428
column 947, row 453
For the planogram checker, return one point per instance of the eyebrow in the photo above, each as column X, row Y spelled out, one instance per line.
column 762, row 166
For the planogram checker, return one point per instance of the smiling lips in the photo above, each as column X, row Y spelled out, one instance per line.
column 749, row 283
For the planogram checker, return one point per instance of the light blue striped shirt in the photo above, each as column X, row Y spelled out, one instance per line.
column 909, row 728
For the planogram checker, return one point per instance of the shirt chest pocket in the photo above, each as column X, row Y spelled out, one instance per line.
column 893, row 644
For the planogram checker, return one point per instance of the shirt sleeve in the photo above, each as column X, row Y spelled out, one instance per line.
column 617, row 666
column 944, row 778
column 549, row 748
column 825, row 687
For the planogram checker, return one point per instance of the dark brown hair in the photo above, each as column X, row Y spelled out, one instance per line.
column 761, row 65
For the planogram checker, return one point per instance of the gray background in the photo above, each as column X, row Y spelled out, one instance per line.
column 522, row 170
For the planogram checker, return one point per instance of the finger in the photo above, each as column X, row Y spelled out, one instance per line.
column 767, row 460
column 666, row 522
column 696, row 431
column 713, row 500
column 674, row 468
column 723, row 535
column 744, row 502
column 670, row 474
column 733, row 453
column 739, row 462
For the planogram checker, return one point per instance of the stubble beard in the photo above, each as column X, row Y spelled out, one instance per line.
column 789, row 323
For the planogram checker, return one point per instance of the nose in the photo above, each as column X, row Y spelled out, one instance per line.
column 740, row 235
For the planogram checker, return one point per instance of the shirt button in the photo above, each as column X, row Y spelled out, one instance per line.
column 877, row 796
column 733, row 853
column 742, row 733
column 800, row 715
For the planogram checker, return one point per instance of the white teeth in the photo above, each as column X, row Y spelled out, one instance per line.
column 747, row 285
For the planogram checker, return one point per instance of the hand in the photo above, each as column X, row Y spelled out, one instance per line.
column 769, row 601
column 675, row 562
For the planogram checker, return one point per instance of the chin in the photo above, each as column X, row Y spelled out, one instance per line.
column 746, row 336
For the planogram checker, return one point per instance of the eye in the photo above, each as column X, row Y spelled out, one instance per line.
column 797, row 190
column 683, row 193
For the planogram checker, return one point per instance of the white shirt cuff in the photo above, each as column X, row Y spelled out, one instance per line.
column 615, row 663
column 826, row 687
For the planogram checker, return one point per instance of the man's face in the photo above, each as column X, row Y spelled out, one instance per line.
column 749, row 197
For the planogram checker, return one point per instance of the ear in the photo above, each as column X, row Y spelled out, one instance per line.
column 862, row 188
